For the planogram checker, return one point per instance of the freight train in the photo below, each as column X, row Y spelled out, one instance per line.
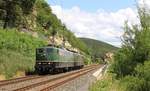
column 51, row 59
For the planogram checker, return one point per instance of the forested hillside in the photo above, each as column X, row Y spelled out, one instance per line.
column 35, row 16
column 98, row 48
column 26, row 25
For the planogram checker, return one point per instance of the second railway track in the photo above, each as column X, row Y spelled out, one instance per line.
column 17, row 80
column 43, row 83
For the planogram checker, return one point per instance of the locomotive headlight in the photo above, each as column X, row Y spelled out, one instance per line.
column 49, row 63
column 39, row 63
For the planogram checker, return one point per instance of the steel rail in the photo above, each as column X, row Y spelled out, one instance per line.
column 51, row 87
column 54, row 79
column 17, row 80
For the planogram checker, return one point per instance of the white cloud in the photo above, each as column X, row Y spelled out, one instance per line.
column 101, row 25
column 144, row 3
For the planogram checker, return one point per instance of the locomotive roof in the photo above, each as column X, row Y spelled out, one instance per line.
column 60, row 49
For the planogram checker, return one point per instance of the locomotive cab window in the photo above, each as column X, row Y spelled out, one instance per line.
column 49, row 50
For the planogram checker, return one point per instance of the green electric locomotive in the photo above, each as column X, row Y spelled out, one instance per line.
column 50, row 59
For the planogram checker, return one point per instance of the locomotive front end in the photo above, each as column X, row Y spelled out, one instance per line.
column 43, row 64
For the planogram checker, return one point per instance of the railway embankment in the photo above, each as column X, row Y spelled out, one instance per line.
column 83, row 82
column 100, row 72
column 78, row 80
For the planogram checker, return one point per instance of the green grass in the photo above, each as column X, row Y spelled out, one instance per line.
column 23, row 43
column 139, row 82
column 17, row 52
column 107, row 83
column 12, row 61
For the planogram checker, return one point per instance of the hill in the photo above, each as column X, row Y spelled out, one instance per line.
column 26, row 25
column 98, row 48
column 35, row 16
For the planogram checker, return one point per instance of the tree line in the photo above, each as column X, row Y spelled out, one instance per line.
column 132, row 62
column 12, row 10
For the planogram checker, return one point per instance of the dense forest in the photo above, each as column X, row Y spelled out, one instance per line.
column 130, row 70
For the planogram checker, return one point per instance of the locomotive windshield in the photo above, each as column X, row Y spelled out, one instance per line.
column 50, row 50
column 46, row 54
column 40, row 54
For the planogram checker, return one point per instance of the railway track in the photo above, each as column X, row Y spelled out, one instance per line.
column 67, row 79
column 17, row 80
column 42, row 83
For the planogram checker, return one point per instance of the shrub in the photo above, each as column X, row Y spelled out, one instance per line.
column 17, row 52
column 143, row 71
column 131, row 83
column 107, row 83
column 123, row 63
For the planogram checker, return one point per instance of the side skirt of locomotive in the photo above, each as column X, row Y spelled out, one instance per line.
column 56, row 67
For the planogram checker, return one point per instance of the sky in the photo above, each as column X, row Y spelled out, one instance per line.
column 97, row 19
column 94, row 5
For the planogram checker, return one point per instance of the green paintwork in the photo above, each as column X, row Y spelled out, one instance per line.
column 57, row 55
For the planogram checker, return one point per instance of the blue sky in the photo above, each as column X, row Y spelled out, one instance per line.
column 93, row 5
column 99, row 19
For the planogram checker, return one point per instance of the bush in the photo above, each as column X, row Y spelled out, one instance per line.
column 130, row 64
column 136, row 47
column 12, row 61
column 23, row 43
column 131, row 83
column 17, row 52
column 107, row 83
column 123, row 63
column 143, row 71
